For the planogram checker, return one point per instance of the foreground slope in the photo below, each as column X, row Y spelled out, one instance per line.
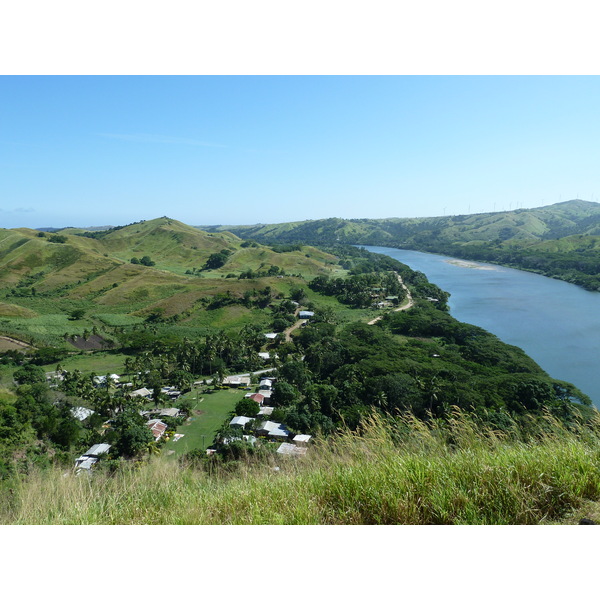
column 396, row 472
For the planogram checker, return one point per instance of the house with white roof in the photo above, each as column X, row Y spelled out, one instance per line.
column 98, row 449
column 142, row 392
column 100, row 380
column 291, row 449
column 306, row 314
column 169, row 412
column 90, row 458
column 237, row 381
column 85, row 462
column 240, row 421
column 81, row 413
column 272, row 429
column 301, row 439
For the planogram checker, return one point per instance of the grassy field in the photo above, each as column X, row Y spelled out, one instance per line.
column 97, row 362
column 408, row 474
column 209, row 413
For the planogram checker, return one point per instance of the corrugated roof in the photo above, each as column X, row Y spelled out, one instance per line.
column 240, row 421
column 291, row 449
column 98, row 449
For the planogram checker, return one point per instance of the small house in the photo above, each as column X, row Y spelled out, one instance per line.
column 54, row 376
column 169, row 412
column 266, row 427
column 279, row 432
column 81, row 413
column 236, row 381
column 291, row 449
column 142, row 392
column 301, row 439
column 257, row 397
column 306, row 314
column 157, row 427
column 100, row 380
column 271, row 336
column 85, row 462
column 98, row 450
column 240, row 421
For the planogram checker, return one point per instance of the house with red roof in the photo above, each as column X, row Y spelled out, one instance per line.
column 157, row 427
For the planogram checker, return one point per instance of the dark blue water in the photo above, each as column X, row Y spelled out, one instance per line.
column 556, row 323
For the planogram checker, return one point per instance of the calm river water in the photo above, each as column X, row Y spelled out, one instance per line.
column 556, row 323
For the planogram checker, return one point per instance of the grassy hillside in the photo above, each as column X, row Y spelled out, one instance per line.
column 560, row 240
column 409, row 473
column 558, row 220
column 47, row 275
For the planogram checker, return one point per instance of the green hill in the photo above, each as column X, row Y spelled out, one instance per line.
column 130, row 271
column 558, row 240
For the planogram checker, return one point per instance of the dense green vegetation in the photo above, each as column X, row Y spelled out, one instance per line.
column 190, row 308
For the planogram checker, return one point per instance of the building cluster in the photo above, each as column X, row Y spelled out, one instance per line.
column 290, row 444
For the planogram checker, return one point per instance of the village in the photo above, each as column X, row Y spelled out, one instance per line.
column 250, row 429
column 248, row 423
column 168, row 423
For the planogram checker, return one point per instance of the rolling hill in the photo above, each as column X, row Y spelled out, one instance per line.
column 47, row 275
column 560, row 240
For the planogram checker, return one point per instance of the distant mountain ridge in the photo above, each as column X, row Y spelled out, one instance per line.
column 561, row 240
column 572, row 217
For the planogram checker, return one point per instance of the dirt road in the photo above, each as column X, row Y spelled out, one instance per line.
column 408, row 304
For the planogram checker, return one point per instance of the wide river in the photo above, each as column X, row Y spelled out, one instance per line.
column 556, row 323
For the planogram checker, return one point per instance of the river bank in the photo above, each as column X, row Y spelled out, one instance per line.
column 555, row 322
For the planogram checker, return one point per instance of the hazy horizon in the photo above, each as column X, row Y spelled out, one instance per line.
column 108, row 225
column 239, row 150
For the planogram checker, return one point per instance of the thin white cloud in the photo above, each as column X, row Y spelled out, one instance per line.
column 159, row 139
column 17, row 210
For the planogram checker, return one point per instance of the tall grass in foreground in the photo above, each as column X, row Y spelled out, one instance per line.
column 406, row 473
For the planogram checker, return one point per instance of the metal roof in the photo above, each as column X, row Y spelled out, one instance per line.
column 98, row 449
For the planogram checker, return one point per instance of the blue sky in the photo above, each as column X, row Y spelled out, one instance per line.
column 92, row 150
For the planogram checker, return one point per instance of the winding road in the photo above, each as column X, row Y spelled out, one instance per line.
column 409, row 302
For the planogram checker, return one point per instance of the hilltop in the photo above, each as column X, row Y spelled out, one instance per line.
column 118, row 276
column 573, row 217
column 561, row 240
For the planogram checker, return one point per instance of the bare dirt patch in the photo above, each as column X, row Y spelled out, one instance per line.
column 94, row 342
column 7, row 343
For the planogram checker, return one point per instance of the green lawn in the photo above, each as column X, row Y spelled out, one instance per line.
column 100, row 363
column 214, row 409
